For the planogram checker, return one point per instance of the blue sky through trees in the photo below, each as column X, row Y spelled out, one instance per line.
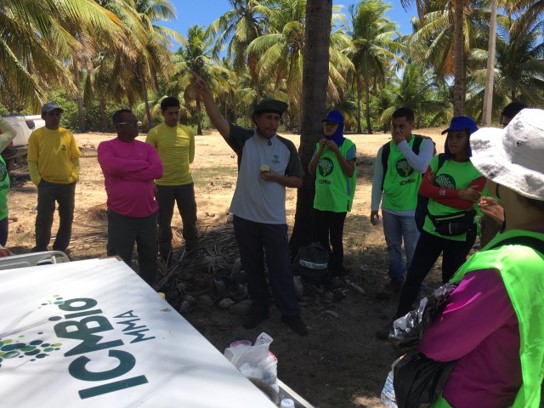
column 203, row 12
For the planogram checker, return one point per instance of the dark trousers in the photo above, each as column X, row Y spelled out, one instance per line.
column 184, row 197
column 255, row 240
column 428, row 249
column 329, row 228
column 48, row 194
column 123, row 232
column 4, row 230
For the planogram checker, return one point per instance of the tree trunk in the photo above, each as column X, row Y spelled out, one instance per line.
column 359, row 127
column 146, row 102
column 79, row 97
column 103, row 118
column 314, row 98
column 490, row 74
column 367, row 108
column 198, row 117
column 459, row 92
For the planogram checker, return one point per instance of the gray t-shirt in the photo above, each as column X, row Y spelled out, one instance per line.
column 255, row 199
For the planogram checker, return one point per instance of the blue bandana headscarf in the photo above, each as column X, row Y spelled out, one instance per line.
column 336, row 117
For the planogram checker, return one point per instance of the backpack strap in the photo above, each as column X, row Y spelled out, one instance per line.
column 441, row 160
column 536, row 243
column 417, row 143
column 386, row 151
column 422, row 202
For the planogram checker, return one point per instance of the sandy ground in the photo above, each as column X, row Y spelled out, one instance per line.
column 341, row 363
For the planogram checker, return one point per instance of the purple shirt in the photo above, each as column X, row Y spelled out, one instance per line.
column 479, row 328
column 129, row 170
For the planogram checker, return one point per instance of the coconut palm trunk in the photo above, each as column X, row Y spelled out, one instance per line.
column 459, row 85
column 314, row 97
column 79, row 96
column 488, row 95
column 367, row 107
column 199, row 117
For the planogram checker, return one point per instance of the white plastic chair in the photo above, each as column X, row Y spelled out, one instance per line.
column 33, row 259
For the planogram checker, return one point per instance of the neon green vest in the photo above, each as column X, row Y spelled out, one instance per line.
column 333, row 189
column 4, row 188
column 522, row 271
column 401, row 182
column 454, row 175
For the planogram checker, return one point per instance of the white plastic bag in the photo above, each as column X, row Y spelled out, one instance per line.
column 255, row 361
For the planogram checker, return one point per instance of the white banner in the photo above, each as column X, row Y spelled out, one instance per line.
column 93, row 334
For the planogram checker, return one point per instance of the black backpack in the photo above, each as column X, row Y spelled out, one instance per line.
column 311, row 263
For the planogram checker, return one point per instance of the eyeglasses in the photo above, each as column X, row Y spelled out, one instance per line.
column 132, row 123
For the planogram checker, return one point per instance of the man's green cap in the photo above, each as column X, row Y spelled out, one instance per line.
column 270, row 105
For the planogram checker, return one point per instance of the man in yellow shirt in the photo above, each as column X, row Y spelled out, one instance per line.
column 53, row 164
column 175, row 144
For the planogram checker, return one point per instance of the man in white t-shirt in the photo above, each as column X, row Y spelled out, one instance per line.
column 268, row 163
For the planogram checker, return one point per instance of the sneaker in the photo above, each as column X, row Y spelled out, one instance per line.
column 255, row 317
column 296, row 324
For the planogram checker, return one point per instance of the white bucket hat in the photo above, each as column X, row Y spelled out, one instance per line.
column 513, row 156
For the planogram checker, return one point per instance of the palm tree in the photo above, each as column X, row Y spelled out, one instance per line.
column 519, row 68
column 445, row 23
column 280, row 55
column 239, row 27
column 420, row 91
column 372, row 50
column 133, row 69
column 488, row 96
column 195, row 57
column 35, row 42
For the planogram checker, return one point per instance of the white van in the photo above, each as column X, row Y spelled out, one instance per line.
column 24, row 125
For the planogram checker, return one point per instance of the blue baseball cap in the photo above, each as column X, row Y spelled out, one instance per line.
column 462, row 123
column 51, row 106
column 334, row 116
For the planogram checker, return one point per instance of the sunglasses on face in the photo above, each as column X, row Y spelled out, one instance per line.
column 132, row 123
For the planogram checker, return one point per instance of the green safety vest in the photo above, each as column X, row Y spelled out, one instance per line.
column 401, row 182
column 522, row 272
column 333, row 189
column 4, row 188
column 452, row 175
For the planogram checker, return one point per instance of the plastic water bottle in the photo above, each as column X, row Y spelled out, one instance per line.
column 388, row 392
column 287, row 403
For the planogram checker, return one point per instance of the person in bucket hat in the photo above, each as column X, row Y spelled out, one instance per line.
column 267, row 164
column 492, row 322
column 492, row 216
